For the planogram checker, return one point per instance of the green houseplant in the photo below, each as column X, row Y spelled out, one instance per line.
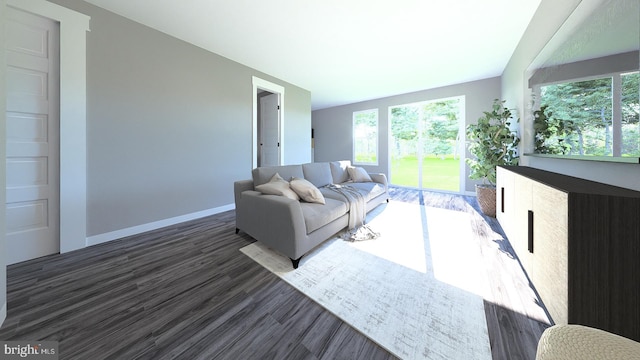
column 492, row 142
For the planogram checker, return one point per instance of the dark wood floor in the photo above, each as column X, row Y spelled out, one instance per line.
column 187, row 292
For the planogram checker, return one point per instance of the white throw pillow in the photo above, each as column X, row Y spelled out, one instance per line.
column 278, row 186
column 358, row 174
column 307, row 191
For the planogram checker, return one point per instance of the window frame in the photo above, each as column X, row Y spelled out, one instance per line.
column 616, row 103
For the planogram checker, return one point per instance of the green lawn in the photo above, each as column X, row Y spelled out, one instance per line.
column 437, row 173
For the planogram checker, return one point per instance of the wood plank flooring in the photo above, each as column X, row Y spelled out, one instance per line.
column 187, row 292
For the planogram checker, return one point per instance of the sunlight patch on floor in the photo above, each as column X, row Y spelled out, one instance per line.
column 443, row 244
column 429, row 240
column 401, row 238
column 455, row 257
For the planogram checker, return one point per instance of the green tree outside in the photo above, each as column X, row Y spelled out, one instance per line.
column 584, row 112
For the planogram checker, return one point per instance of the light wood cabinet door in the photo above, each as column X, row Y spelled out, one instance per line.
column 522, row 204
column 504, row 200
column 550, row 249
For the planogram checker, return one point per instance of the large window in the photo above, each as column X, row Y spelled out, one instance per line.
column 425, row 144
column 597, row 117
column 365, row 137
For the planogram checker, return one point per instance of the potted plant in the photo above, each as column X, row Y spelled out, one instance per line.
column 492, row 142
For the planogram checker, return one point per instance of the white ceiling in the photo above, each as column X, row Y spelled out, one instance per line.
column 346, row 51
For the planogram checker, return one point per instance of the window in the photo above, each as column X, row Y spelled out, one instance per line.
column 424, row 144
column 597, row 117
column 365, row 137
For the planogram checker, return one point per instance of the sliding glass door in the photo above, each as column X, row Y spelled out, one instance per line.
column 426, row 144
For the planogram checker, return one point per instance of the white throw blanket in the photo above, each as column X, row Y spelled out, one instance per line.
column 355, row 200
column 357, row 214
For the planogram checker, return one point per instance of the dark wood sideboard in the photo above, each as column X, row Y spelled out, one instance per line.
column 579, row 242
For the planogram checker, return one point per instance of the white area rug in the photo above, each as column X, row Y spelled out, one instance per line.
column 416, row 290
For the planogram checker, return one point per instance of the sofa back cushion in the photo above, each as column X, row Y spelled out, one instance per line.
column 339, row 171
column 262, row 175
column 319, row 174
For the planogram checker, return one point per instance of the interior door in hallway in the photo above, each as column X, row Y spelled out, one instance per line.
column 32, row 162
column 269, row 131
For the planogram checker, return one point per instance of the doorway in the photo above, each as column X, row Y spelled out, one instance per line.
column 268, row 123
column 427, row 144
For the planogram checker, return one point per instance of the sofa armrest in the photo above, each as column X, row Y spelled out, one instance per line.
column 239, row 187
column 274, row 220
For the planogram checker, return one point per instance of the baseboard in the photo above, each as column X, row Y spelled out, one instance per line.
column 134, row 230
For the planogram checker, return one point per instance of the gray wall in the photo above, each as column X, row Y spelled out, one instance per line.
column 169, row 125
column 297, row 126
column 333, row 126
column 549, row 17
column 3, row 170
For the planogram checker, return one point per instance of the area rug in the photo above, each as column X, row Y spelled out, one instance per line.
column 416, row 290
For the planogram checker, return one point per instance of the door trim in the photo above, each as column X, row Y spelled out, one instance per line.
column 3, row 112
column 73, row 118
column 261, row 84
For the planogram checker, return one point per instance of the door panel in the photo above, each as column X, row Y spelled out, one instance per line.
column 27, row 172
column 550, row 262
column 523, row 203
column 505, row 210
column 26, row 128
column 26, row 215
column 33, row 39
column 32, row 137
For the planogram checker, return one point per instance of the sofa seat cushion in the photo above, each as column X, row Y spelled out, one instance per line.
column 369, row 190
column 330, row 194
column 319, row 215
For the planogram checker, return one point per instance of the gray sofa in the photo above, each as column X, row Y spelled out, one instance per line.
column 295, row 227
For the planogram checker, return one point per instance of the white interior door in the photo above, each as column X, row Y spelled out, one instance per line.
column 32, row 162
column 269, row 131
